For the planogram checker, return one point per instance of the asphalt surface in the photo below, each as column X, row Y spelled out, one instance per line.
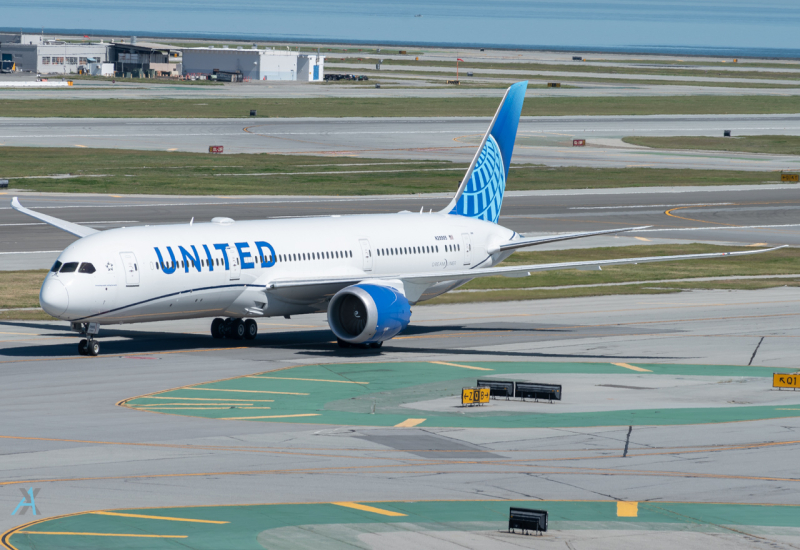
column 733, row 214
column 63, row 433
column 540, row 140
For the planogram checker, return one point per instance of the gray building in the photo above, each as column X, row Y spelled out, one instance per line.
column 33, row 53
column 253, row 64
column 155, row 59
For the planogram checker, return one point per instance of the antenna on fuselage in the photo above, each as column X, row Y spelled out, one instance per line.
column 191, row 221
column 421, row 209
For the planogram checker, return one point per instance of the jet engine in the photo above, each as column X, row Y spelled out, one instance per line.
column 368, row 314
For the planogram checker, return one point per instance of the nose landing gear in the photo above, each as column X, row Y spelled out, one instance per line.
column 236, row 329
column 88, row 346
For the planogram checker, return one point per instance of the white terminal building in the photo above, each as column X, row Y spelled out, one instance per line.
column 254, row 64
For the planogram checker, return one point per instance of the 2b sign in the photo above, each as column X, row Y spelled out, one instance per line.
column 215, row 149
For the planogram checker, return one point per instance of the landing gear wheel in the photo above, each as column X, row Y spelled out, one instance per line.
column 237, row 329
column 343, row 344
column 250, row 329
column 83, row 347
column 94, row 348
column 369, row 345
column 218, row 328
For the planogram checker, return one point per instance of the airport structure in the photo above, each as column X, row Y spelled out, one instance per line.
column 254, row 64
column 148, row 58
column 35, row 53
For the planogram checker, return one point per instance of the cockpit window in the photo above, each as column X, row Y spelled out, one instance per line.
column 86, row 268
column 56, row 266
column 69, row 267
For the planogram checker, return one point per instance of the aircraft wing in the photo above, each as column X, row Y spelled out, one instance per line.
column 525, row 270
column 69, row 227
column 509, row 271
column 533, row 241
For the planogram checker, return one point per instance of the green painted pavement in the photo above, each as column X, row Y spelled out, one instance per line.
column 249, row 524
column 344, row 394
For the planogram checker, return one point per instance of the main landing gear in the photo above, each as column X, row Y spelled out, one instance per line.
column 371, row 345
column 236, row 329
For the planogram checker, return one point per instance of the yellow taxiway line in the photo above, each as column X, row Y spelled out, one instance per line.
column 457, row 365
column 307, row 379
column 365, row 508
column 165, row 518
column 102, row 534
column 410, row 423
column 632, row 367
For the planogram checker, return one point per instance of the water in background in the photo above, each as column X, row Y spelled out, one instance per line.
column 730, row 28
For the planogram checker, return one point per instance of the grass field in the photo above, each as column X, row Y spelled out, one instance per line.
column 394, row 107
column 776, row 145
column 582, row 68
column 123, row 171
column 20, row 289
column 504, row 80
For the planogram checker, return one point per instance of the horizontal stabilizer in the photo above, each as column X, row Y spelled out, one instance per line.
column 69, row 227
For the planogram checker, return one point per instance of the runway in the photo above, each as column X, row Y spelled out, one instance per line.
column 540, row 140
column 64, row 434
column 729, row 214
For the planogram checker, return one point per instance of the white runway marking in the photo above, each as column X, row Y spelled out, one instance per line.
column 650, row 206
column 719, row 227
column 84, row 223
column 34, row 252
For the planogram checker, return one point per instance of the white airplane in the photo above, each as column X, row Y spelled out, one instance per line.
column 366, row 271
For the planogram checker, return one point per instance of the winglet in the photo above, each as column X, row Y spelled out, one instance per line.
column 69, row 227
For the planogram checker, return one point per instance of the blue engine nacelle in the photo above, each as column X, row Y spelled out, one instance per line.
column 368, row 314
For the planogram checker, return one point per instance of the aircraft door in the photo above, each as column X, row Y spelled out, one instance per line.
column 131, row 268
column 235, row 266
column 366, row 253
column 467, row 248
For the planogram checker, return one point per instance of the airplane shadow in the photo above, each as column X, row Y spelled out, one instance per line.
column 318, row 343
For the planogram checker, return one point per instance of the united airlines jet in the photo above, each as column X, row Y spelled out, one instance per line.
column 365, row 271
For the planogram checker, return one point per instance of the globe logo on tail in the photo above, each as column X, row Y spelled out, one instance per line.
column 483, row 195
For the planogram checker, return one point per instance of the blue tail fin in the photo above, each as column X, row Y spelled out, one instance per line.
column 480, row 194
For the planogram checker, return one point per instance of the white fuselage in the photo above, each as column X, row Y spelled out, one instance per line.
column 224, row 268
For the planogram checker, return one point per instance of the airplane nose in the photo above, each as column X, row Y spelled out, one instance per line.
column 53, row 297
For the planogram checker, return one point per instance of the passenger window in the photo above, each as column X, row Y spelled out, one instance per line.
column 458, row 247
column 69, row 267
column 86, row 268
column 56, row 266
